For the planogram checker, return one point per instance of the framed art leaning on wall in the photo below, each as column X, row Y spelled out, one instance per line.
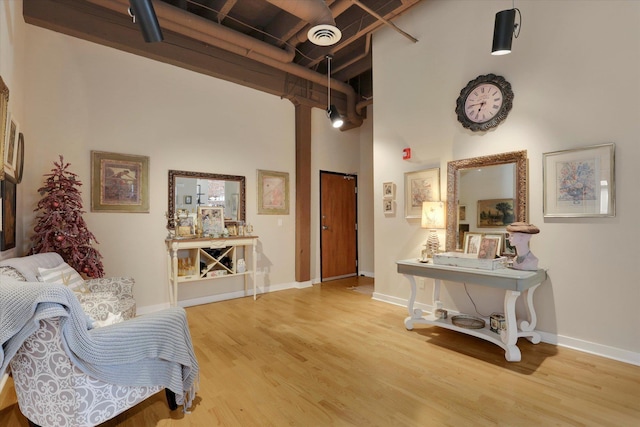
column 579, row 182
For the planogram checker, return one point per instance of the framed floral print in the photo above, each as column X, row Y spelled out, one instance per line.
column 420, row 186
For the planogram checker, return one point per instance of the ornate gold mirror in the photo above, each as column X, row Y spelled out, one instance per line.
column 188, row 190
column 471, row 182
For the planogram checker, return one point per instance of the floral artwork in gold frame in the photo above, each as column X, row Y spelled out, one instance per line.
column 119, row 182
column 273, row 193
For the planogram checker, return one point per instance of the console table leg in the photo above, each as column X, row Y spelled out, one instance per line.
column 413, row 314
column 510, row 335
column 527, row 326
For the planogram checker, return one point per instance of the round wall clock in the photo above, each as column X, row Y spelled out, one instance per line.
column 484, row 102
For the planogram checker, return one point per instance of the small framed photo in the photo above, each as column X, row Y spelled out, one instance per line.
column 420, row 186
column 273, row 193
column 462, row 213
column 499, row 238
column 233, row 229
column 212, row 220
column 488, row 248
column 388, row 207
column 388, row 190
column 495, row 213
column 579, row 182
column 188, row 200
column 472, row 243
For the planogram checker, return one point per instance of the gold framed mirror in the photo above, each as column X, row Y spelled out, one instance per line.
column 512, row 184
column 189, row 190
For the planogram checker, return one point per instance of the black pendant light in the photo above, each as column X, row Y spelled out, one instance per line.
column 332, row 111
column 142, row 10
column 504, row 30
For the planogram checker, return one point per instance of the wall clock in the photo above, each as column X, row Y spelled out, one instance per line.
column 484, row 102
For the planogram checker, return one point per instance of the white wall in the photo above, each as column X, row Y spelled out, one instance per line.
column 79, row 96
column 574, row 71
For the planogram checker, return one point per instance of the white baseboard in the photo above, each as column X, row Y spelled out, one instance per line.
column 549, row 338
column 366, row 274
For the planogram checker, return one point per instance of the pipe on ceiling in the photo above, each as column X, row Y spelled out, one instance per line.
column 198, row 28
column 315, row 12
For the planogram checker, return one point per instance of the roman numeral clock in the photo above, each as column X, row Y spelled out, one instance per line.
column 484, row 102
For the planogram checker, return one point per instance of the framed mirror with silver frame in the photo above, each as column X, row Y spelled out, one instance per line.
column 503, row 175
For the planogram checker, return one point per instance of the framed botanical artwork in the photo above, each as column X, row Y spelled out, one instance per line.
column 388, row 190
column 472, row 243
column 495, row 212
column 579, row 182
column 273, row 193
column 420, row 186
column 8, row 240
column 388, row 207
column 11, row 147
column 4, row 110
column 119, row 182
column 211, row 219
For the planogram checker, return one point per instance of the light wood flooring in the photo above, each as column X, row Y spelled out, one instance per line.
column 331, row 356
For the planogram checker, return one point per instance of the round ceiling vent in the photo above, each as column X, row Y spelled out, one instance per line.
column 324, row 35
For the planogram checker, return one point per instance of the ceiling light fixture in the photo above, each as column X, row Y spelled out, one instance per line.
column 504, row 29
column 332, row 111
column 143, row 10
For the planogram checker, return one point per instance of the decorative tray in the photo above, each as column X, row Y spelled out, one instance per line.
column 468, row 322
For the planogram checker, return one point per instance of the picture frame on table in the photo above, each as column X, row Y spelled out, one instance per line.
column 388, row 190
column 579, row 182
column 488, row 248
column 119, row 182
column 495, row 213
column 211, row 219
column 420, row 186
column 273, row 193
column 4, row 113
column 499, row 246
column 472, row 243
column 11, row 147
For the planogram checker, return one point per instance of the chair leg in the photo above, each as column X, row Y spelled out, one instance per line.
column 171, row 399
column 32, row 424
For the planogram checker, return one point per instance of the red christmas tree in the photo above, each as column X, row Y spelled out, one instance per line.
column 60, row 227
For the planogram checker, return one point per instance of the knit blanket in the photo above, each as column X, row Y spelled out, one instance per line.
column 150, row 350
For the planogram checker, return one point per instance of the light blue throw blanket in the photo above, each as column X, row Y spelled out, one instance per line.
column 150, row 350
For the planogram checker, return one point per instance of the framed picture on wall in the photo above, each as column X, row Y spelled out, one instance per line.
column 420, row 186
column 8, row 240
column 388, row 207
column 11, row 148
column 579, row 182
column 495, row 212
column 273, row 193
column 4, row 105
column 388, row 190
column 119, row 182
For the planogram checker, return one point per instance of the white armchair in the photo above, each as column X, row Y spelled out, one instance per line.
column 106, row 295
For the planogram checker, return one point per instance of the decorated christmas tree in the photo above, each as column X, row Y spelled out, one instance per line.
column 60, row 227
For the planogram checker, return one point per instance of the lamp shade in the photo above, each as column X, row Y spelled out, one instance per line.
column 334, row 116
column 146, row 15
column 503, row 32
column 432, row 215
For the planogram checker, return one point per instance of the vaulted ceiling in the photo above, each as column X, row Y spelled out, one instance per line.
column 262, row 44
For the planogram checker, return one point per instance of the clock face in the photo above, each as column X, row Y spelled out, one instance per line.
column 484, row 102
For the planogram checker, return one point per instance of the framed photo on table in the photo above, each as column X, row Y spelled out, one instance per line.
column 579, row 182
column 119, row 182
column 420, row 186
column 211, row 219
column 472, row 243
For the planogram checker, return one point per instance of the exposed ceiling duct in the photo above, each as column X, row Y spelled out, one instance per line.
column 323, row 31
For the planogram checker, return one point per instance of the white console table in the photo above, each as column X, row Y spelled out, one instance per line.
column 195, row 251
column 514, row 282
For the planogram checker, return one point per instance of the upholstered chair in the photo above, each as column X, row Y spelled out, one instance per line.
column 98, row 297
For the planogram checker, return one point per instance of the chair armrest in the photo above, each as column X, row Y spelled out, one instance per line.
column 98, row 305
column 120, row 286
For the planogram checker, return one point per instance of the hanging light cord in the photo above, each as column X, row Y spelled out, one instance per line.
column 517, row 26
column 328, row 82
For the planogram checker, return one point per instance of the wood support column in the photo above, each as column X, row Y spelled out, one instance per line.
column 303, row 192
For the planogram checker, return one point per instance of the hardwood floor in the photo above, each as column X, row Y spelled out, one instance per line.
column 330, row 356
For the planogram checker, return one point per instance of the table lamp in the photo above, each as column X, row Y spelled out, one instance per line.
column 433, row 219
